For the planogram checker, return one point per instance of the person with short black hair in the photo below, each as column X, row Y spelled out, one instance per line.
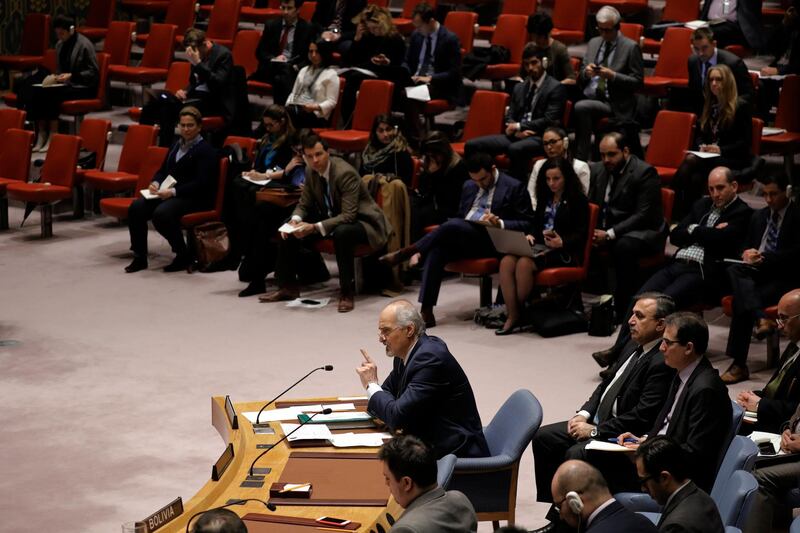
column 409, row 467
column 219, row 521
column 558, row 63
column 316, row 89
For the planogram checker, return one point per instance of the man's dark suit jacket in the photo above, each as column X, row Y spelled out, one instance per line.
column 748, row 15
column 628, row 66
column 717, row 243
column 634, row 208
column 217, row 73
column 446, row 79
column 773, row 412
column 784, row 261
column 744, row 85
column 571, row 223
column 511, row 202
column 691, row 511
column 549, row 109
column 269, row 45
column 325, row 12
column 196, row 172
column 784, row 39
column 701, row 422
column 615, row 518
column 430, row 396
column 641, row 397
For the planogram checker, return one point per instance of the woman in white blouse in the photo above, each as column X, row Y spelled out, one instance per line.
column 555, row 143
column 316, row 89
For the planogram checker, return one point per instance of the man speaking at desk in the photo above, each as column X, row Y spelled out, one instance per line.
column 427, row 393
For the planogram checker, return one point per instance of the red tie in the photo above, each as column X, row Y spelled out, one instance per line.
column 284, row 38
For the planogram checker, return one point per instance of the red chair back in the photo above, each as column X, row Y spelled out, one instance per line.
column 594, row 214
column 94, row 135
column 409, row 5
column 462, row 23
column 178, row 76
column 222, row 179
column 567, row 114
column 61, row 161
column 671, row 137
column 50, row 61
column 674, row 55
column 118, row 42
column 100, row 13
column 248, row 144
column 374, row 98
column 103, row 60
column 152, row 160
column 570, row 14
column 137, row 140
column 380, row 3
column 224, row 21
column 15, row 155
column 181, row 14
column 633, row 32
column 667, row 203
column 681, row 10
column 307, row 11
column 486, row 114
column 11, row 118
column 35, row 34
column 244, row 50
column 755, row 142
column 512, row 32
column 159, row 47
column 519, row 7
column 337, row 111
column 788, row 115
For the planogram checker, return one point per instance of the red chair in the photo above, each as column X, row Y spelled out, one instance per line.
column 634, row 32
column 671, row 68
column 511, row 32
column 155, row 61
column 260, row 15
column 555, row 277
column 485, row 117
column 462, row 23
column 481, row 268
column 374, row 98
column 11, row 118
column 49, row 63
column 625, row 7
column 153, row 159
column 676, row 10
column 35, row 40
column 98, row 19
column 137, row 140
column 224, row 22
column 180, row 14
column 510, row 7
column 56, row 179
column 404, row 22
column 95, row 134
column 15, row 164
column 248, row 144
column 244, row 54
column 787, row 118
column 146, row 8
column 667, row 204
column 672, row 135
column 569, row 20
column 118, row 42
column 191, row 220
column 177, row 78
column 773, row 340
column 79, row 108
column 307, row 11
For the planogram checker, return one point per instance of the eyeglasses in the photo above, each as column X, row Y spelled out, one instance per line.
column 385, row 332
column 551, row 142
column 783, row 319
column 605, row 30
column 670, row 342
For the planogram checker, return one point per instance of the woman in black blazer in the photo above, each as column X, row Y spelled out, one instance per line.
column 560, row 222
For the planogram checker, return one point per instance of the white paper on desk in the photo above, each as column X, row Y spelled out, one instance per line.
column 355, row 416
column 766, row 131
column 776, row 77
column 702, row 155
column 606, row 446
column 307, row 432
column 420, row 93
column 168, row 183
column 694, row 24
column 370, row 440
column 257, row 182
column 274, row 415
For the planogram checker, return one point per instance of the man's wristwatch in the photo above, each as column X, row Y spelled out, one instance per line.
column 593, row 433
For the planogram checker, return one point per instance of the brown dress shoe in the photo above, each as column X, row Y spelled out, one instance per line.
column 735, row 374
column 346, row 304
column 427, row 316
column 281, row 295
column 395, row 258
column 765, row 328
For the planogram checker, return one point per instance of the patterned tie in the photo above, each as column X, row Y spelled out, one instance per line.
column 607, row 404
column 326, row 195
column 601, row 83
column 483, row 205
column 427, row 61
column 775, row 383
column 771, row 244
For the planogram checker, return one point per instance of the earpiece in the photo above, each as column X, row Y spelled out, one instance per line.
column 545, row 62
column 72, row 30
column 566, row 142
column 574, row 502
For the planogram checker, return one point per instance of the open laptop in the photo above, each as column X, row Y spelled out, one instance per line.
column 508, row 241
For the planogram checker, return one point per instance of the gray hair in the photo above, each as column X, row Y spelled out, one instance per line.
column 608, row 14
column 405, row 314
column 665, row 305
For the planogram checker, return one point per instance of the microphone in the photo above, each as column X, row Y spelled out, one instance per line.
column 270, row 506
column 326, row 368
column 325, row 411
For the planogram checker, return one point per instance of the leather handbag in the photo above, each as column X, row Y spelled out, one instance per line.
column 601, row 320
column 211, row 243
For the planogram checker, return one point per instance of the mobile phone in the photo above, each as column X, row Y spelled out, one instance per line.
column 331, row 521
column 766, row 448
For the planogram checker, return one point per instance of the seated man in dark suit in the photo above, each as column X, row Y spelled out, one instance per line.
column 427, row 394
column 489, row 198
column 771, row 255
column 409, row 467
column 631, row 223
column 784, row 46
column 775, row 403
column 536, row 104
column 735, row 22
column 334, row 18
column 585, row 503
column 334, row 204
column 664, row 474
column 219, row 521
column 192, row 162
column 283, row 50
column 211, row 87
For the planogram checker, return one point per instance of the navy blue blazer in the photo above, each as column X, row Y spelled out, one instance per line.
column 616, row 518
column 446, row 80
column 430, row 397
column 783, row 261
column 511, row 202
column 196, row 172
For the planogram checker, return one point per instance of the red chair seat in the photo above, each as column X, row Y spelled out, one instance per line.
column 213, row 123
column 137, row 74
column 625, row 7
column 501, row 71
column 146, row 6
column 200, row 217
column 256, row 14
column 482, row 266
column 551, row 277
column 658, row 85
column 782, row 143
column 21, row 62
column 346, row 140
column 325, row 246
column 40, row 193
column 727, row 308
column 111, row 181
column 404, row 26
column 651, row 46
column 116, row 207
column 10, row 99
column 135, row 113
column 93, row 34
column 80, row 107
column 434, row 107
column 666, row 174
column 567, row 36
column 458, row 148
column 260, row 88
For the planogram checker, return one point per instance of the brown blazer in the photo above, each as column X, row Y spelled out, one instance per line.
column 350, row 202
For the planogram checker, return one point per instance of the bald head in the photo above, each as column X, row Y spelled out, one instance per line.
column 587, row 482
column 788, row 307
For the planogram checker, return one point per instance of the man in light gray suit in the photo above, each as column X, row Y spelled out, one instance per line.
column 611, row 74
column 409, row 467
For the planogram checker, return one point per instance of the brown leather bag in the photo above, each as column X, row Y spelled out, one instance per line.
column 211, row 243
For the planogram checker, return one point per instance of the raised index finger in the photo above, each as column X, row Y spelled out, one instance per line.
column 366, row 357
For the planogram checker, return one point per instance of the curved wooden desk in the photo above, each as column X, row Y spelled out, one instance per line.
column 216, row 493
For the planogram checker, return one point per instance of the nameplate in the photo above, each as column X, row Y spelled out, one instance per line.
column 222, row 463
column 164, row 516
column 231, row 412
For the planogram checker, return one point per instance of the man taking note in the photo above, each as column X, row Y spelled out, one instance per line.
column 427, row 393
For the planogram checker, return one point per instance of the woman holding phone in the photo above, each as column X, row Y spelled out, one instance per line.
column 560, row 222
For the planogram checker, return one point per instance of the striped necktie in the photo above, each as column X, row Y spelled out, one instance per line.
column 771, row 243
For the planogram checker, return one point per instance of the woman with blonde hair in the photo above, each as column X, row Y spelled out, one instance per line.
column 724, row 128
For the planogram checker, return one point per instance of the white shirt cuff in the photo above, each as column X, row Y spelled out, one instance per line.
column 585, row 414
column 502, row 224
column 320, row 228
column 611, row 235
column 296, row 218
column 691, row 228
column 372, row 388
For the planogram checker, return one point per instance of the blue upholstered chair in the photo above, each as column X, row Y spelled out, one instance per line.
column 444, row 467
column 795, row 527
column 490, row 483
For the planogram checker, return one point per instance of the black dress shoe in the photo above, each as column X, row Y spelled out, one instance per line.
column 604, row 357
column 253, row 289
column 395, row 258
column 549, row 528
column 502, row 332
column 138, row 263
column 178, row 264
column 606, row 374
